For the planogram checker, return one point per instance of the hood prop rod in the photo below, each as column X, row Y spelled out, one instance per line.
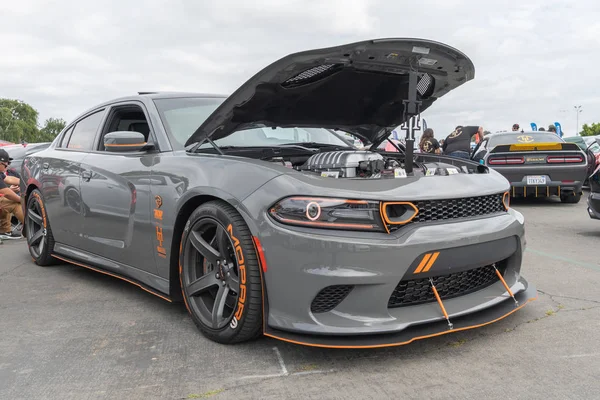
column 412, row 120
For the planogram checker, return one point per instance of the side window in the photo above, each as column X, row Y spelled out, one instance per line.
column 84, row 133
column 65, row 138
column 128, row 117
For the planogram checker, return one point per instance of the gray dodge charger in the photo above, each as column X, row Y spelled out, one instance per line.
column 255, row 212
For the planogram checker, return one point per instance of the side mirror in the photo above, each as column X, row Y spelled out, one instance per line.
column 124, row 141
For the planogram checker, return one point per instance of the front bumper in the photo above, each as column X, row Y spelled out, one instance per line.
column 415, row 332
column 301, row 263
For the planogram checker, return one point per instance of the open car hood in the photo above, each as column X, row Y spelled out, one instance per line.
column 358, row 88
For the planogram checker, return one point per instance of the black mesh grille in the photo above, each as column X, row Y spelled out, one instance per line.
column 418, row 291
column 434, row 210
column 329, row 298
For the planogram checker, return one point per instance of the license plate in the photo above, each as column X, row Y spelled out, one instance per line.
column 536, row 159
column 536, row 180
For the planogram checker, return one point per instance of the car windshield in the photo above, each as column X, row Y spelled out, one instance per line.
column 183, row 116
column 279, row 136
column 511, row 138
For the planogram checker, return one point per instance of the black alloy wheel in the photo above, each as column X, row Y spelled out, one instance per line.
column 37, row 230
column 213, row 276
column 220, row 274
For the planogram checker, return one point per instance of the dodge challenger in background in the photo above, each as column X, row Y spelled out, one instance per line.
column 251, row 211
column 536, row 163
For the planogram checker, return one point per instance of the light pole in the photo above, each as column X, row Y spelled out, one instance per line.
column 577, row 110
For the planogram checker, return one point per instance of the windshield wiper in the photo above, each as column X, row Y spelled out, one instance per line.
column 313, row 144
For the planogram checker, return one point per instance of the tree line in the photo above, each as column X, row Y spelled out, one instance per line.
column 19, row 122
column 590, row 130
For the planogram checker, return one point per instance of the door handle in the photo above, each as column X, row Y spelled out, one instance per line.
column 87, row 175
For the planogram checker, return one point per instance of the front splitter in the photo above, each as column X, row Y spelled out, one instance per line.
column 411, row 334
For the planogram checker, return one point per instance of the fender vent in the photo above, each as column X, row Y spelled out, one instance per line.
column 329, row 298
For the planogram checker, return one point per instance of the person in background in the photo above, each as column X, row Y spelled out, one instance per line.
column 542, row 129
column 10, row 202
column 551, row 128
column 515, row 127
column 428, row 143
column 458, row 143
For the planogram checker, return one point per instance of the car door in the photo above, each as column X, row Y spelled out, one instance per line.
column 480, row 151
column 59, row 170
column 115, row 189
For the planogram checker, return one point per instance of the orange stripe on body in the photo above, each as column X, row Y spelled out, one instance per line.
column 113, row 275
column 432, row 261
column 423, row 262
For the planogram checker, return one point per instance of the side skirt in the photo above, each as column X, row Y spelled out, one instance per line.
column 144, row 280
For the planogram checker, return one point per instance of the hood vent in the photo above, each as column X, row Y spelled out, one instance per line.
column 312, row 75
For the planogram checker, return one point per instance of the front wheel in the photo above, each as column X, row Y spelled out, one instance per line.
column 220, row 274
column 38, row 232
column 571, row 198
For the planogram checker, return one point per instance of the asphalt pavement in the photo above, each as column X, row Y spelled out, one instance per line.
column 70, row 333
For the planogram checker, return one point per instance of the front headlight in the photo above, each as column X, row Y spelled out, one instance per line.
column 323, row 212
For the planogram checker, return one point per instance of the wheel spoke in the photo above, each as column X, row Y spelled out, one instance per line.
column 202, row 284
column 222, row 243
column 217, row 312
column 231, row 301
column 37, row 237
column 35, row 217
column 204, row 248
column 234, row 282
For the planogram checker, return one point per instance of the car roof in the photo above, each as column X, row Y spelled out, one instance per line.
column 151, row 95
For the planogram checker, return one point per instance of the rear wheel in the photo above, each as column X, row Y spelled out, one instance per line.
column 220, row 274
column 38, row 232
column 570, row 198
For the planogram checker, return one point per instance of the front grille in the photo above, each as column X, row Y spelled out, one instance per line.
column 329, row 298
column 418, row 291
column 436, row 210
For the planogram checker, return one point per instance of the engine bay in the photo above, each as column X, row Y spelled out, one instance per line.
column 350, row 163
column 365, row 164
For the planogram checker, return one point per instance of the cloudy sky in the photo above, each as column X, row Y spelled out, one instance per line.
column 533, row 62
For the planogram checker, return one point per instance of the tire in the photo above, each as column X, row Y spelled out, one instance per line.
column 218, row 224
column 37, row 224
column 571, row 198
